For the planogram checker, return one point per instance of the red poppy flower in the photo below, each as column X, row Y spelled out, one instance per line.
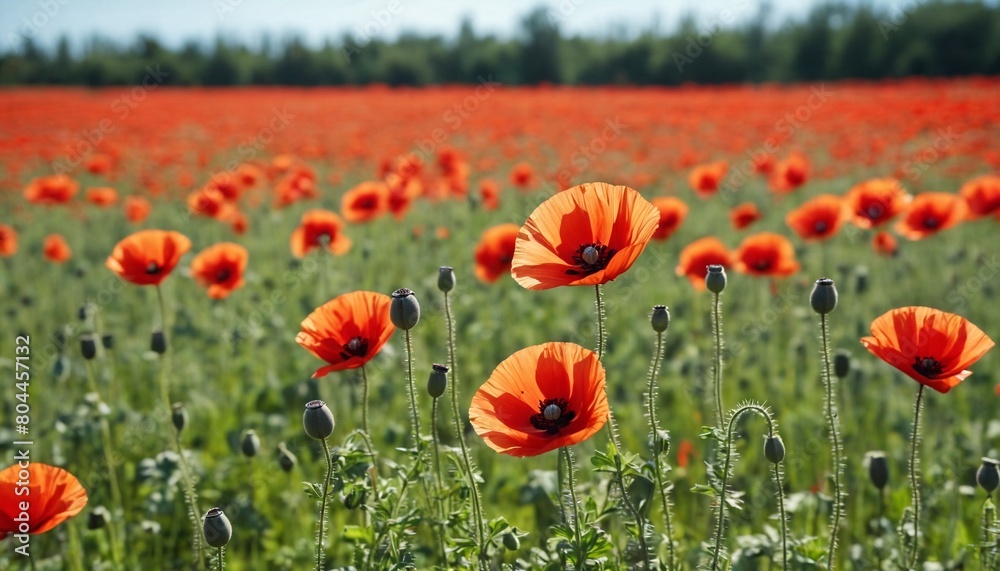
column 239, row 222
column 744, row 215
column 319, row 228
column 147, row 257
column 53, row 496
column 522, row 176
column 102, row 196
column 52, row 189
column 220, row 268
column 489, row 192
column 930, row 213
column 8, row 240
column 226, row 184
column 541, row 398
column 56, row 249
column 347, row 331
column 365, row 202
column 766, row 254
column 885, row 244
column 495, row 252
column 818, row 218
column 790, row 173
column 876, row 201
column 585, row 235
column 698, row 255
column 982, row 196
column 137, row 209
column 672, row 214
column 298, row 184
column 99, row 164
column 932, row 347
column 210, row 203
column 705, row 179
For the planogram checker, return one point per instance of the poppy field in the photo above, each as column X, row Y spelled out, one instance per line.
column 487, row 327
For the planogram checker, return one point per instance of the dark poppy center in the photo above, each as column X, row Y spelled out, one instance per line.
column 931, row 222
column 367, row 203
column 356, row 347
column 927, row 366
column 874, row 211
column 223, row 275
column 553, row 415
column 762, row 264
column 591, row 258
column 820, row 227
column 153, row 268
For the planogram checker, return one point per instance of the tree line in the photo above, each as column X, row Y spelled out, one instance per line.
column 832, row 41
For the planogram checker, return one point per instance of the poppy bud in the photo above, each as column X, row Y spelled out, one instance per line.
column 88, row 347
column 841, row 363
column 405, row 309
column 715, row 279
column 774, row 449
column 437, row 382
column 446, row 278
column 988, row 475
column 98, row 518
column 250, row 444
column 179, row 416
column 218, row 531
column 878, row 469
column 79, row 271
column 355, row 497
column 285, row 458
column 511, row 542
column 861, row 280
column 83, row 311
column 661, row 442
column 27, row 301
column 108, row 341
column 824, row 296
column 60, row 368
column 660, row 318
column 318, row 420
column 158, row 342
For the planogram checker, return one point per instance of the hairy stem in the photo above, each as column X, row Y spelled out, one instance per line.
column 833, row 425
column 654, row 369
column 915, row 477
column 781, row 515
column 414, row 411
column 581, row 556
column 717, row 365
column 320, row 538
column 116, row 493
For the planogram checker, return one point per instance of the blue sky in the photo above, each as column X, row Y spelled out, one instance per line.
column 179, row 20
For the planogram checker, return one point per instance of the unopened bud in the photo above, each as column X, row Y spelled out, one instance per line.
column 285, row 457
column 250, row 444
column 179, row 416
column 824, row 296
column 715, row 279
column 88, row 347
column 437, row 382
column 98, row 518
column 218, row 531
column 405, row 309
column 511, row 542
column 841, row 363
column 317, row 420
column 878, row 469
column 988, row 475
column 446, row 278
column 774, row 449
column 661, row 443
column 660, row 318
column 355, row 498
column 158, row 342
column 108, row 341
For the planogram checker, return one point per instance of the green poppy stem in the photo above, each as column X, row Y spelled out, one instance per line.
column 654, row 369
column 830, row 384
column 915, row 477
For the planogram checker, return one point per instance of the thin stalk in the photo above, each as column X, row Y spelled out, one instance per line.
column 717, row 366
column 561, row 475
column 437, row 478
column 460, row 435
column 881, row 514
column 365, row 432
column 322, row 507
column 654, row 369
column 222, row 558
column 414, row 411
column 386, row 528
column 915, row 477
column 830, row 383
column 571, row 476
column 781, row 514
column 600, row 323
column 983, row 553
column 107, row 445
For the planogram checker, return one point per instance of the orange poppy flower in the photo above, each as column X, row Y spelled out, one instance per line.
column 932, row 347
column 672, row 214
column 982, row 196
column 148, row 256
column 56, row 249
column 137, row 209
column 319, row 228
column 8, row 240
column 489, row 192
column 818, row 218
column 495, row 252
column 210, row 203
column 239, row 222
column 744, row 215
column 876, row 201
column 705, row 179
column 766, row 254
column 227, row 184
column 347, row 331
column 220, row 268
column 585, row 235
column 541, row 398
column 698, row 255
column 885, row 244
column 99, row 164
column 365, row 202
column 790, row 173
column 930, row 213
column 53, row 495
column 102, row 196
column 299, row 184
column 522, row 176
column 52, row 189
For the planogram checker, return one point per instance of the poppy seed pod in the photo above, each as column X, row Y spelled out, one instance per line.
column 661, row 442
column 218, row 531
column 250, row 444
column 824, row 296
column 446, row 278
column 83, row 311
column 511, row 542
column 437, row 382
column 988, row 475
column 286, row 459
column 179, row 416
column 405, row 309
column 99, row 518
column 158, row 342
column 774, row 449
column 660, row 319
column 108, row 341
column 317, row 420
column 88, row 347
column 878, row 469
column 841, row 363
column 715, row 278
column 861, row 280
